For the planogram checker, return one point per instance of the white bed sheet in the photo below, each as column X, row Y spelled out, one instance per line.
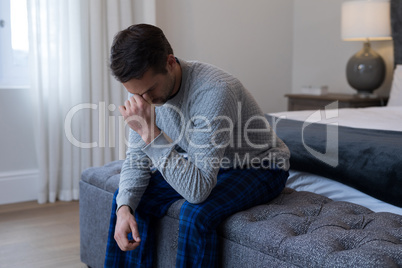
column 386, row 118
column 303, row 181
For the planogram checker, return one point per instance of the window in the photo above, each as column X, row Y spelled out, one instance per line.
column 14, row 45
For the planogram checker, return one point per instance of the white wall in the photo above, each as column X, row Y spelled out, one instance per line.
column 319, row 54
column 18, row 167
column 16, row 130
column 250, row 39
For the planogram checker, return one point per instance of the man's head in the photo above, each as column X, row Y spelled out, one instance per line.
column 137, row 49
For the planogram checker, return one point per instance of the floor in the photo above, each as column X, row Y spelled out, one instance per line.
column 40, row 236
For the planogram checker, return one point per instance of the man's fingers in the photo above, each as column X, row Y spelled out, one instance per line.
column 122, row 241
column 125, row 244
column 134, row 232
column 141, row 101
column 122, row 109
column 135, row 103
column 128, row 103
column 130, row 245
column 137, row 98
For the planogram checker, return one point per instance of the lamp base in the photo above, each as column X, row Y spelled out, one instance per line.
column 365, row 95
column 365, row 71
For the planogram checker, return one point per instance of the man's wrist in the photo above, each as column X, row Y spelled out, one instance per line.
column 124, row 209
column 152, row 135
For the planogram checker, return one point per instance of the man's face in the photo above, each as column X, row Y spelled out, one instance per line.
column 154, row 88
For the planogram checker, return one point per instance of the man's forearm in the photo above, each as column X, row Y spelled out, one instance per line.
column 135, row 174
column 190, row 181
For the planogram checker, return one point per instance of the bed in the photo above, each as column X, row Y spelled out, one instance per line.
column 366, row 154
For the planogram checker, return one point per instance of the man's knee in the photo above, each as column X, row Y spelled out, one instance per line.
column 200, row 215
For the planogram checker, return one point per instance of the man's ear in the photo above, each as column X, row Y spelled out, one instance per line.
column 171, row 62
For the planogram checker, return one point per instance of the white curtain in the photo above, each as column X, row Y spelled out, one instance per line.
column 77, row 124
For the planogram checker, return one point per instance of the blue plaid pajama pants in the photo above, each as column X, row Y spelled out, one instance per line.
column 236, row 190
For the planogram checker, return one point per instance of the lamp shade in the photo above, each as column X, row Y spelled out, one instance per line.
column 366, row 20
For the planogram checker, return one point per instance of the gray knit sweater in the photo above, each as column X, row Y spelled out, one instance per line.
column 216, row 121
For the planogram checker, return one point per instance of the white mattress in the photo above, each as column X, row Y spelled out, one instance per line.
column 303, row 181
column 386, row 118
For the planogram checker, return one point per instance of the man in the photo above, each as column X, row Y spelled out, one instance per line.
column 233, row 160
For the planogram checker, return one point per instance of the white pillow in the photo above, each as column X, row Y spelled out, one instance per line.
column 395, row 96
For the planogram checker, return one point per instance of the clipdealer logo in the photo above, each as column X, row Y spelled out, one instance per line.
column 235, row 134
column 215, row 127
column 331, row 155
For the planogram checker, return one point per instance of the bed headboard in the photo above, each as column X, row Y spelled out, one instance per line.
column 396, row 24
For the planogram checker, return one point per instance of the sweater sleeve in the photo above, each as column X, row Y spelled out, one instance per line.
column 135, row 173
column 212, row 114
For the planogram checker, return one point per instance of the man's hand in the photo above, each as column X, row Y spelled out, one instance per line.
column 126, row 224
column 140, row 116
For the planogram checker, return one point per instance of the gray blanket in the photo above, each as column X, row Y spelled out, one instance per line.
column 368, row 160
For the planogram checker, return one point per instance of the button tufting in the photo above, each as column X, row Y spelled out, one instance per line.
column 303, row 229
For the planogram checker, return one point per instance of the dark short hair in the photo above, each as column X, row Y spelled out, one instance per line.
column 137, row 49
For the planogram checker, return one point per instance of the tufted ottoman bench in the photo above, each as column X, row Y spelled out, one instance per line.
column 297, row 229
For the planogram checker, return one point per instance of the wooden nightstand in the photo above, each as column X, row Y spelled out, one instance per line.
column 298, row 102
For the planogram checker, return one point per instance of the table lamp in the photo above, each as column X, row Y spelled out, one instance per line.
column 366, row 21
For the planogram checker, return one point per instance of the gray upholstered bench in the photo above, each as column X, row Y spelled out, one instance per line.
column 297, row 229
